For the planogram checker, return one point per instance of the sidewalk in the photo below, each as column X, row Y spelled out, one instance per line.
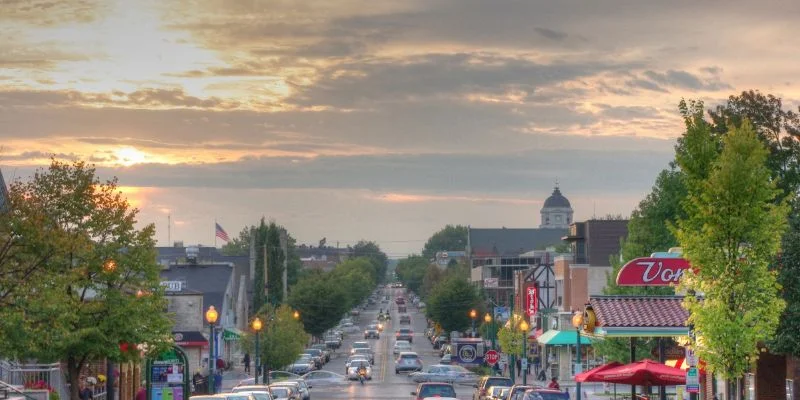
column 231, row 378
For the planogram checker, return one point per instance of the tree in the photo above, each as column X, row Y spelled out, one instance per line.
column 373, row 252
column 449, row 238
column 411, row 271
column 786, row 339
column 450, row 301
column 240, row 245
column 282, row 338
column 357, row 277
column 433, row 275
column 319, row 300
column 98, row 285
column 510, row 336
column 731, row 233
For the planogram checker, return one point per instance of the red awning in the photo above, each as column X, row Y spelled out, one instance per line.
column 644, row 373
column 591, row 375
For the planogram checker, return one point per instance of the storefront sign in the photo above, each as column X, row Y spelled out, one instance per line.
column 531, row 299
column 652, row 271
column 491, row 282
column 172, row 286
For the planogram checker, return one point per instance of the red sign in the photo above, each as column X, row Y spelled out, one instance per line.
column 491, row 357
column 652, row 271
column 531, row 299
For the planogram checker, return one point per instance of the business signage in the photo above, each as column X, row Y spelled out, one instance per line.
column 648, row 271
column 531, row 299
column 172, row 286
column 692, row 380
column 491, row 282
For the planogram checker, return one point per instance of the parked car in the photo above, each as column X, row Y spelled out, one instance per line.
column 545, row 394
column 404, row 334
column 316, row 357
column 433, row 389
column 487, row 381
column 325, row 351
column 301, row 366
column 407, row 361
column 323, row 379
column 445, row 373
column 400, row 346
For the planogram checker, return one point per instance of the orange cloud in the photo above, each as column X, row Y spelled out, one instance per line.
column 418, row 198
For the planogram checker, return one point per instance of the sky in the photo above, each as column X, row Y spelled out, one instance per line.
column 377, row 120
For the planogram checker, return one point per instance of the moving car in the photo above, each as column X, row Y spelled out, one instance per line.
column 372, row 332
column 302, row 365
column 298, row 387
column 400, row 346
column 404, row 334
column 433, row 389
column 366, row 352
column 283, row 393
column 259, row 395
column 445, row 373
column 358, row 345
column 407, row 361
column 497, row 392
column 405, row 319
column 545, row 394
column 487, row 381
column 352, row 370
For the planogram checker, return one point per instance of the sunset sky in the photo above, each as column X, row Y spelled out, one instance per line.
column 379, row 120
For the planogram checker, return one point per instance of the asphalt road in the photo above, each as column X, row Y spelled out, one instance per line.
column 384, row 384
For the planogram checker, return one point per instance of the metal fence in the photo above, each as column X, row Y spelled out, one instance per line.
column 34, row 376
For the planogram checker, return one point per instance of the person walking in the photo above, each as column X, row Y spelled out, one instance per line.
column 519, row 366
column 247, row 363
column 554, row 384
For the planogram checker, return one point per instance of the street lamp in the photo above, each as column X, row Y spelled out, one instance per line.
column 211, row 318
column 473, row 314
column 577, row 322
column 296, row 314
column 109, row 266
column 256, row 327
column 490, row 328
column 523, row 326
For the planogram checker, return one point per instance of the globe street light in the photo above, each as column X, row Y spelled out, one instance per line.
column 256, row 325
column 488, row 319
column 577, row 322
column 296, row 314
column 473, row 314
column 523, row 326
column 211, row 318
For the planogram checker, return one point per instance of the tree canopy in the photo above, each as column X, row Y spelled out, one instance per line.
column 450, row 301
column 449, row 238
column 93, row 280
column 281, row 339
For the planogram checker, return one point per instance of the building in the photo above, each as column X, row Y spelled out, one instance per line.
column 495, row 255
column 557, row 212
column 190, row 290
column 3, row 194
column 323, row 258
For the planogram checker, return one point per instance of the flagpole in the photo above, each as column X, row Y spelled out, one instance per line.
column 215, row 233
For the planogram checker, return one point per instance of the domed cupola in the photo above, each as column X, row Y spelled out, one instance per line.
column 556, row 212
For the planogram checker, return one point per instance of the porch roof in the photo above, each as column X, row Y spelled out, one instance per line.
column 642, row 316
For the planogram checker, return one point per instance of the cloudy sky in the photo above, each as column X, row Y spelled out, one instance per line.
column 382, row 120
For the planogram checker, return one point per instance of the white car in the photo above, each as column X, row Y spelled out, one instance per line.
column 401, row 346
column 258, row 395
column 352, row 370
column 324, row 378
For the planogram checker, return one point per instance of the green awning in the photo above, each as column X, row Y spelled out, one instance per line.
column 231, row 335
column 561, row 338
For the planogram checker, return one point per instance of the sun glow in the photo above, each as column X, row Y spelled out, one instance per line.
column 127, row 156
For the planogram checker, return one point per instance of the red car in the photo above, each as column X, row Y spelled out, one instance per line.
column 400, row 300
column 433, row 389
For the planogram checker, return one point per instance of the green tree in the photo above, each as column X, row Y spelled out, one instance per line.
column 449, row 238
column 373, row 252
column 318, row 298
column 411, row 271
column 99, row 283
column 450, row 301
column 240, row 245
column 357, row 277
column 731, row 233
column 282, row 337
column 433, row 275
column 510, row 336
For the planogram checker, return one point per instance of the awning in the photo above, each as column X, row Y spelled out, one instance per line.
column 189, row 339
column 231, row 334
column 560, row 338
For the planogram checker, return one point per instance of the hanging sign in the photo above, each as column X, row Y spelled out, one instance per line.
column 531, row 299
column 647, row 271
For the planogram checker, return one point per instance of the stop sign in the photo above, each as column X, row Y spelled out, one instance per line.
column 491, row 357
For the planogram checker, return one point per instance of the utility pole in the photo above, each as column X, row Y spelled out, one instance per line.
column 266, row 272
column 284, row 247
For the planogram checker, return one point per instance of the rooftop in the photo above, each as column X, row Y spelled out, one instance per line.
column 639, row 311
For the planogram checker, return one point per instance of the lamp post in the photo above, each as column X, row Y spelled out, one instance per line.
column 211, row 318
column 489, row 328
column 296, row 314
column 577, row 322
column 523, row 326
column 109, row 266
column 473, row 314
column 256, row 325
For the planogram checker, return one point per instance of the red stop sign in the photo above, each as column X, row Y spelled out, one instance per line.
column 491, row 357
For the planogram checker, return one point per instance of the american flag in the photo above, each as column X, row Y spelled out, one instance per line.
column 221, row 233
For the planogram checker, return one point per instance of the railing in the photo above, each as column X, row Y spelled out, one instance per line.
column 43, row 376
column 6, row 388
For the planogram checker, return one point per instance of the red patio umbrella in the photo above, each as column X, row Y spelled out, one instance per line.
column 644, row 373
column 591, row 375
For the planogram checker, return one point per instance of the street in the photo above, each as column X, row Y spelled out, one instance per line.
column 385, row 384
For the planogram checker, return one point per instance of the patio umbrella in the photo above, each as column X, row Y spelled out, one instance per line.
column 591, row 375
column 644, row 373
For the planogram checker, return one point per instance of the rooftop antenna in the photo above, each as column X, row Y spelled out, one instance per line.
column 594, row 210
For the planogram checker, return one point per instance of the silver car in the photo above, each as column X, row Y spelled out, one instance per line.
column 323, row 378
column 444, row 373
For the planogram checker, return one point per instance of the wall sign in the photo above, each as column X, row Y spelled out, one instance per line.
column 647, row 271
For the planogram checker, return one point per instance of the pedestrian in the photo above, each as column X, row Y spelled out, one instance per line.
column 218, row 382
column 85, row 393
column 536, row 361
column 141, row 394
column 247, row 363
column 519, row 366
column 554, row 384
